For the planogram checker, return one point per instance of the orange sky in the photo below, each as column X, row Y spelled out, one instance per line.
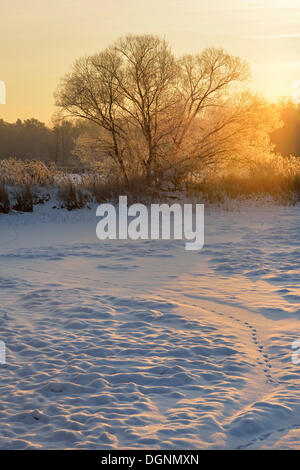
column 41, row 38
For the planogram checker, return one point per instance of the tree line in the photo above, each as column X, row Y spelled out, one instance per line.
column 287, row 138
column 33, row 140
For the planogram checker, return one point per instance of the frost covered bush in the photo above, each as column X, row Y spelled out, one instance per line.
column 275, row 176
column 137, row 189
column 71, row 196
column 24, row 199
column 4, row 200
column 296, row 186
column 24, row 184
column 28, row 172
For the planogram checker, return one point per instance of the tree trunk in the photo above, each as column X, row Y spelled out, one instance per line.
column 119, row 158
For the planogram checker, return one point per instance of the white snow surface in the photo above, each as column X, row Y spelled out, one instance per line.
column 141, row 344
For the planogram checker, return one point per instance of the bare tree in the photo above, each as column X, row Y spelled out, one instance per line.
column 127, row 89
column 147, row 81
column 204, row 84
column 91, row 92
column 154, row 112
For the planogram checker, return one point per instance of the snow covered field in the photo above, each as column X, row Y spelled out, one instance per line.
column 145, row 345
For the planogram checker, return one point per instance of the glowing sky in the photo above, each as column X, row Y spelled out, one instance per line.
column 39, row 40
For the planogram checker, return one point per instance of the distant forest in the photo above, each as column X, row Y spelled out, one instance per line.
column 32, row 139
column 287, row 139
